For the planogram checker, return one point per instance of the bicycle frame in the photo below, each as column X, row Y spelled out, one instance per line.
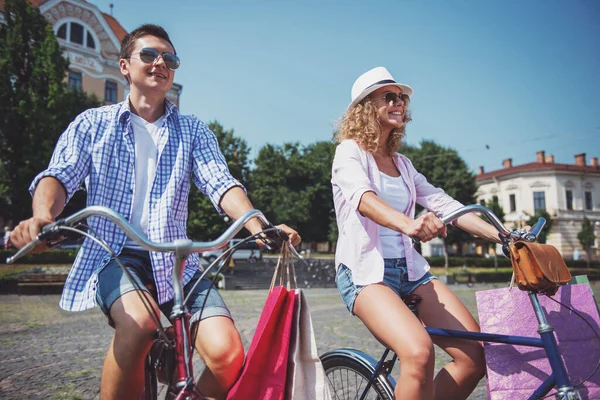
column 182, row 248
column 547, row 341
column 180, row 318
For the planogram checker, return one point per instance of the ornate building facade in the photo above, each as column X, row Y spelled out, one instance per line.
column 568, row 192
column 91, row 40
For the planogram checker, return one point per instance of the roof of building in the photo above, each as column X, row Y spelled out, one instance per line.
column 537, row 167
column 119, row 31
column 116, row 27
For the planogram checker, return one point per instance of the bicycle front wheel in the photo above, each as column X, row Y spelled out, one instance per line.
column 348, row 373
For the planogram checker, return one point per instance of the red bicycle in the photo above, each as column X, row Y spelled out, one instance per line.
column 170, row 359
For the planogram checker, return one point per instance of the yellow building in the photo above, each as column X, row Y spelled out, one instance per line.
column 91, row 40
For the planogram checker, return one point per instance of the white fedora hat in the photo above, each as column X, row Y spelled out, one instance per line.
column 372, row 80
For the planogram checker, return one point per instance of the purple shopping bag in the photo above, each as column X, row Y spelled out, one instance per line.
column 514, row 372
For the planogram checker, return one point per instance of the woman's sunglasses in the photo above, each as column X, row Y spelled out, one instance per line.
column 149, row 55
column 392, row 97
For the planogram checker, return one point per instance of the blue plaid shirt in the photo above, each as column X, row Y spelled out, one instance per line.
column 98, row 147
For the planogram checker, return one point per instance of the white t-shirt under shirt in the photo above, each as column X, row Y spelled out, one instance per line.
column 146, row 136
column 395, row 193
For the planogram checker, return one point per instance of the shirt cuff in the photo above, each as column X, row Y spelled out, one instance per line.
column 56, row 174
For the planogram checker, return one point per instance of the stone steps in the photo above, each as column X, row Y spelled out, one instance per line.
column 309, row 274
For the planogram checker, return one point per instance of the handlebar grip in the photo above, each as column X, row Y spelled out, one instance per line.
column 23, row 251
column 536, row 229
column 47, row 232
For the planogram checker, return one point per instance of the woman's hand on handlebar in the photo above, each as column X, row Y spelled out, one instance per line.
column 27, row 231
column 426, row 227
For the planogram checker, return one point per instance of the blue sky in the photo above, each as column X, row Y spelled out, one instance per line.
column 516, row 75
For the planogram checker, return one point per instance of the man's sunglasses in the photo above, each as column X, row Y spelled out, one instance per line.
column 392, row 97
column 149, row 55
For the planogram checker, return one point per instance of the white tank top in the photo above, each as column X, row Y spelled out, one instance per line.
column 395, row 193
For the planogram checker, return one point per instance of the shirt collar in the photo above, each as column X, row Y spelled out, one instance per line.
column 125, row 111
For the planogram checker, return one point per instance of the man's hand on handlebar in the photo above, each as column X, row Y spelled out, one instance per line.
column 293, row 236
column 27, row 231
column 274, row 238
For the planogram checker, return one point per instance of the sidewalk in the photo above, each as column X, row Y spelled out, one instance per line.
column 48, row 353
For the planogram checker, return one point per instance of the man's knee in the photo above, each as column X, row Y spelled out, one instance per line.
column 225, row 349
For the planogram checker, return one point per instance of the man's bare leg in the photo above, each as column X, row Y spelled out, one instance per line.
column 123, row 370
column 223, row 354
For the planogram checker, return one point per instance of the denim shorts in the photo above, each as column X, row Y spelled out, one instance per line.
column 395, row 276
column 113, row 283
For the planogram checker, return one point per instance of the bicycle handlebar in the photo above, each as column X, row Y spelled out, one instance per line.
column 529, row 236
column 189, row 245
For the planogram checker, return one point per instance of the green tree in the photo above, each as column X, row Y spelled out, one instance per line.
column 587, row 238
column 543, row 236
column 35, row 105
column 291, row 184
column 204, row 222
column 496, row 208
column 444, row 168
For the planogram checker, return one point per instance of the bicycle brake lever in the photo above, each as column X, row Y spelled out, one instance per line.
column 276, row 238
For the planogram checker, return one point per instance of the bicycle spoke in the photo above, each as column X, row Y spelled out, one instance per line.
column 348, row 384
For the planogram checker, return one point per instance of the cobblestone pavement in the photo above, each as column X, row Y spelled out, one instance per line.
column 47, row 353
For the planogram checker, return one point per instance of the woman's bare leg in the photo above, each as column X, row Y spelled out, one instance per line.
column 393, row 324
column 441, row 308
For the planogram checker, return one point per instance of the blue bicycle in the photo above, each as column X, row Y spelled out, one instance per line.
column 353, row 374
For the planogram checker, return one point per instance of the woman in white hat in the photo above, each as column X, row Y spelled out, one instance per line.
column 375, row 190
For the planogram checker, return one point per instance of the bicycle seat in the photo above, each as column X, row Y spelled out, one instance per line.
column 411, row 301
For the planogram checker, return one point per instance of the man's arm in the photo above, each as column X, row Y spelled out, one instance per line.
column 48, row 202
column 235, row 203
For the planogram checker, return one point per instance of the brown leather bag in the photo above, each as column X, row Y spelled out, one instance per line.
column 538, row 267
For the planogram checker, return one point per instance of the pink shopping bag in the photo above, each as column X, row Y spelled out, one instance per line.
column 264, row 374
column 514, row 372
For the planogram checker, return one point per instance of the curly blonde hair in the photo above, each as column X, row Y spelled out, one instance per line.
column 361, row 124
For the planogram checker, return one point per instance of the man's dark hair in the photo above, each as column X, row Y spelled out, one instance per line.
column 146, row 29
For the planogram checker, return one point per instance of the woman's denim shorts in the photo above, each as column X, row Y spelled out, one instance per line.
column 113, row 283
column 395, row 276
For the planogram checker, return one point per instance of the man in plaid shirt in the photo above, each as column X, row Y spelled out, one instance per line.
column 138, row 158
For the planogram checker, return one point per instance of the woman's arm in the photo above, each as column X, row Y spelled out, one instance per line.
column 478, row 227
column 425, row 227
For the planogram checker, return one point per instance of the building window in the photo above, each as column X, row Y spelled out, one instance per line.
column 588, row 201
column 569, row 199
column 75, row 80
column 76, row 33
column 90, row 41
column 110, row 92
column 437, row 250
column 482, row 202
column 539, row 202
column 62, row 32
column 513, row 202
